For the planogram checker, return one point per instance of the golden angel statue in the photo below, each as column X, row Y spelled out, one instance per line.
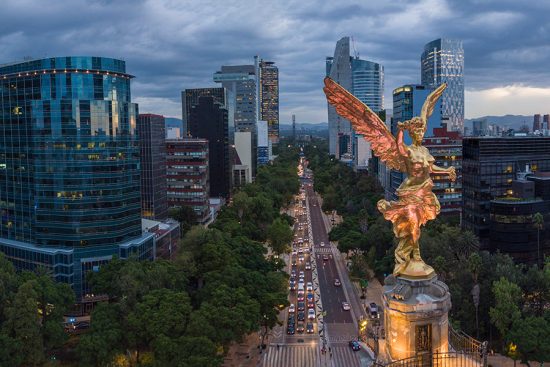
column 416, row 202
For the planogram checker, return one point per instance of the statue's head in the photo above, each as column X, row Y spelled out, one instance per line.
column 417, row 129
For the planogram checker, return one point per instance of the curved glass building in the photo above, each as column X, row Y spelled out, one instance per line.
column 69, row 166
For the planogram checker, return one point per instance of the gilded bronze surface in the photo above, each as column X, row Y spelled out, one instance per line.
column 416, row 202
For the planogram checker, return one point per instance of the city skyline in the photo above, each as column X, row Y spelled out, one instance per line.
column 504, row 45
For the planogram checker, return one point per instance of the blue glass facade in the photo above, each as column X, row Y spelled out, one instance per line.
column 69, row 162
column 443, row 61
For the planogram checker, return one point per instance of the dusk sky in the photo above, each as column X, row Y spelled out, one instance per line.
column 171, row 45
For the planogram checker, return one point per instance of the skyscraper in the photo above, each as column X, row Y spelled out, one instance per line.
column 240, row 81
column 69, row 167
column 443, row 61
column 268, row 96
column 208, row 120
column 263, row 143
column 365, row 80
column 151, row 132
column 190, row 98
column 546, row 122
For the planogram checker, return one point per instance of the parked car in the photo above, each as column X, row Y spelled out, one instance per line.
column 300, row 297
column 311, row 314
column 354, row 344
column 290, row 330
column 301, row 316
column 322, row 244
column 346, row 306
column 309, row 328
column 337, row 282
column 373, row 311
column 301, row 306
column 300, row 328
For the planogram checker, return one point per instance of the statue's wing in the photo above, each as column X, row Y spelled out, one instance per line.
column 365, row 122
column 429, row 104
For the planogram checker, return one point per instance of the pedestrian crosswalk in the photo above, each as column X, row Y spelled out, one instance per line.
column 292, row 355
column 323, row 250
column 309, row 355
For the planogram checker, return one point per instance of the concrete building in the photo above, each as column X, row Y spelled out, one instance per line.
column 243, row 147
column 446, row 148
column 167, row 236
column 187, row 177
column 69, row 168
column 480, row 128
column 173, row 133
column 537, row 122
column 264, row 145
column 151, row 132
column 443, row 61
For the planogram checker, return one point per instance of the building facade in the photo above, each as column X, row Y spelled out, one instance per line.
column 268, row 96
column 365, row 80
column 407, row 103
column 69, row 167
column 537, row 122
column 446, row 148
column 489, row 166
column 190, row 98
column 187, row 175
column 208, row 120
column 151, row 132
column 263, row 144
column 443, row 62
column 243, row 147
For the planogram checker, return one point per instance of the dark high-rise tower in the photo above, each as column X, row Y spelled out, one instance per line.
column 208, row 120
column 69, row 167
column 190, row 98
column 151, row 131
column 294, row 128
column 537, row 122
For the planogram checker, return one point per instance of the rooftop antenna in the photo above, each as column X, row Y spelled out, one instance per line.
column 355, row 53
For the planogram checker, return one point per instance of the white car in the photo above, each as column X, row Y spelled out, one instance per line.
column 322, row 244
column 309, row 286
column 346, row 306
column 308, row 266
column 292, row 308
column 311, row 314
column 302, row 274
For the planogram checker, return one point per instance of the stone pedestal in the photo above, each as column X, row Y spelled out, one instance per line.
column 415, row 316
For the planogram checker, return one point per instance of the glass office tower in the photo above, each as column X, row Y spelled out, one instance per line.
column 443, row 61
column 69, row 166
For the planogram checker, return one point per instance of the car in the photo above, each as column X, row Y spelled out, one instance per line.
column 300, row 250
column 301, row 306
column 310, row 304
column 294, row 252
column 337, row 282
column 292, row 308
column 346, row 306
column 322, row 244
column 300, row 297
column 294, row 263
column 309, row 328
column 355, row 346
column 292, row 286
column 311, row 314
column 290, row 330
column 301, row 258
column 373, row 311
column 308, row 266
column 309, row 286
column 293, row 273
column 325, row 257
column 301, row 316
column 302, row 274
column 300, row 328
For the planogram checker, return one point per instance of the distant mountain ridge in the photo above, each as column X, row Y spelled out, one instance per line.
column 305, row 126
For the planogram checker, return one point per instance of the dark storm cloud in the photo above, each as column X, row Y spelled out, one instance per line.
column 171, row 45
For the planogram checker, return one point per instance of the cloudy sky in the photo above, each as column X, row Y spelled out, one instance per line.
column 170, row 45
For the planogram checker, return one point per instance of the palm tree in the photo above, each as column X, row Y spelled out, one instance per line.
column 538, row 223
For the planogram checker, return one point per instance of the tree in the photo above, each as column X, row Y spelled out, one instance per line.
column 506, row 311
column 531, row 335
column 105, row 339
column 185, row 215
column 23, row 325
column 279, row 236
column 538, row 223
